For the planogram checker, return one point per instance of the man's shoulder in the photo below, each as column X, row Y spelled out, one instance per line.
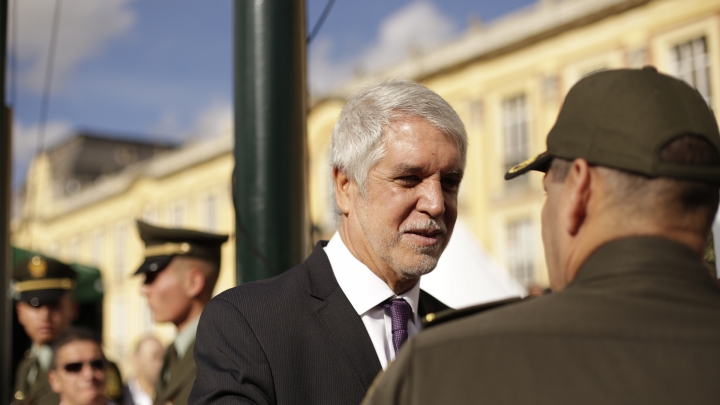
column 288, row 283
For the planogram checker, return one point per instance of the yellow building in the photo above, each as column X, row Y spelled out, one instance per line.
column 506, row 80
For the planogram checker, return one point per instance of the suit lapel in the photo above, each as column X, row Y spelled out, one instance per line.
column 342, row 323
column 429, row 304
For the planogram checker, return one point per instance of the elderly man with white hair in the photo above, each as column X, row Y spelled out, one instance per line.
column 320, row 332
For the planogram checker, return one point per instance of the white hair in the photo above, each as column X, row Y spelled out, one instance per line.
column 357, row 139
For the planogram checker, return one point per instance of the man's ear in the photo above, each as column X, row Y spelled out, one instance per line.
column 53, row 380
column 577, row 195
column 195, row 282
column 342, row 190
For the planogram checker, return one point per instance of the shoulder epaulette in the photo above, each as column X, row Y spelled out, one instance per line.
column 448, row 315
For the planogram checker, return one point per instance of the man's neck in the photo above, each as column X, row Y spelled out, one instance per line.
column 194, row 312
column 594, row 238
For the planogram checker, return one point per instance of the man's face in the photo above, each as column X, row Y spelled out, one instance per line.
column 551, row 235
column 148, row 360
column 44, row 323
column 409, row 207
column 167, row 293
column 83, row 386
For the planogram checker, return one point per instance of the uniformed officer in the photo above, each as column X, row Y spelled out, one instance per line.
column 181, row 267
column 632, row 180
column 46, row 309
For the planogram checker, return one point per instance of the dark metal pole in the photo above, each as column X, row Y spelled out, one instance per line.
column 6, row 372
column 270, row 110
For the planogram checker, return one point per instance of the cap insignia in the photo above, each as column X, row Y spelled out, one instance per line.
column 168, row 249
column 522, row 165
column 37, row 267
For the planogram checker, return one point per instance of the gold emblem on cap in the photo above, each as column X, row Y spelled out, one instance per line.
column 168, row 249
column 37, row 267
column 522, row 165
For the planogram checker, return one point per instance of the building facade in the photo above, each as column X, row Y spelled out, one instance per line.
column 506, row 80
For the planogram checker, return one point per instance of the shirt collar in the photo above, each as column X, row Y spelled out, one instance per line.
column 185, row 338
column 43, row 354
column 361, row 286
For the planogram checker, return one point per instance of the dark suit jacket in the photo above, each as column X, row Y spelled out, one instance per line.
column 292, row 339
column 640, row 324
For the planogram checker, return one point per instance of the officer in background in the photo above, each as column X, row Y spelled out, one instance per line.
column 181, row 268
column 632, row 175
column 45, row 309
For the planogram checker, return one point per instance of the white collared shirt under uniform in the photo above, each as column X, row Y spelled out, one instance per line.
column 366, row 292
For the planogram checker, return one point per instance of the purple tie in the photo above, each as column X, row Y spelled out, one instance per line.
column 400, row 312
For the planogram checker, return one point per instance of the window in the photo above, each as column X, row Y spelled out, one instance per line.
column 98, row 247
column 515, row 123
column 692, row 64
column 120, row 327
column 521, row 250
column 150, row 215
column 211, row 213
column 121, row 253
column 179, row 214
column 74, row 253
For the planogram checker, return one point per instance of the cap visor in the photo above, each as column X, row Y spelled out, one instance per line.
column 153, row 264
column 38, row 298
column 540, row 163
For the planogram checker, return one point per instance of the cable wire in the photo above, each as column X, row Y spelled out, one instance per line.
column 45, row 102
column 320, row 21
column 13, row 52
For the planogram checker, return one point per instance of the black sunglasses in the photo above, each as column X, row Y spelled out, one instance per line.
column 76, row 367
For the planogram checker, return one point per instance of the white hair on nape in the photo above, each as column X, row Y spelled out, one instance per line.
column 357, row 139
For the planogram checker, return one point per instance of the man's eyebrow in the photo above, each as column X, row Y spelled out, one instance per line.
column 455, row 173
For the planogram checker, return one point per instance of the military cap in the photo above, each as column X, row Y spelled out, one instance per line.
column 41, row 280
column 162, row 244
column 623, row 118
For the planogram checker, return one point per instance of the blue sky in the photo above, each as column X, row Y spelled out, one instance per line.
column 161, row 69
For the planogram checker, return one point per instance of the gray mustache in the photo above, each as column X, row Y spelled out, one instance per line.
column 426, row 226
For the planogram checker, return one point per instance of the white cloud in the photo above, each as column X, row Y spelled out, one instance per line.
column 85, row 29
column 25, row 138
column 215, row 119
column 417, row 27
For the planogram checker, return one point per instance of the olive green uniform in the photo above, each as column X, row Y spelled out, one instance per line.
column 37, row 391
column 178, row 371
column 640, row 324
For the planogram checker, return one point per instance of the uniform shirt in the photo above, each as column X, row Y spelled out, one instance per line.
column 185, row 338
column 367, row 292
column 43, row 354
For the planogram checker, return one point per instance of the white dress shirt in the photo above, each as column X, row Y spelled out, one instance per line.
column 366, row 292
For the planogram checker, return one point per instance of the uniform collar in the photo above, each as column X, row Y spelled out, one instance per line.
column 43, row 353
column 642, row 254
column 185, row 338
column 361, row 286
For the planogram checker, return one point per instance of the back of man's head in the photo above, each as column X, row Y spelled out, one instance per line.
column 638, row 154
column 664, row 202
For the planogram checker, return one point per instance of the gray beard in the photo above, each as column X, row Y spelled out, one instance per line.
column 383, row 247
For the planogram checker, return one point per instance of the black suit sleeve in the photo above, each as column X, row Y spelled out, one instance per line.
column 231, row 365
